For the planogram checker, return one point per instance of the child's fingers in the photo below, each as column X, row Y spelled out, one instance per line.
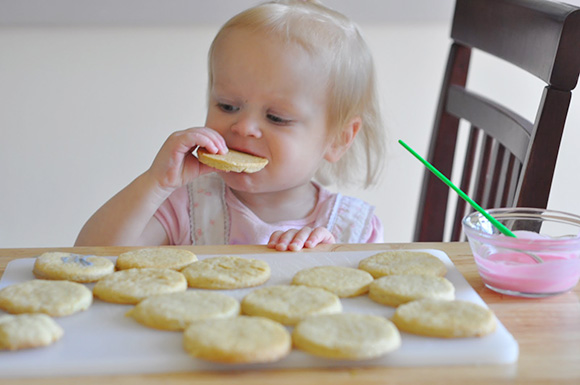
column 217, row 140
column 182, row 142
column 297, row 242
column 285, row 239
column 273, row 241
column 280, row 240
column 295, row 239
column 318, row 236
column 204, row 137
column 174, row 165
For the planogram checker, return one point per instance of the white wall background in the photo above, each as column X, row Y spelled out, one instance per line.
column 87, row 98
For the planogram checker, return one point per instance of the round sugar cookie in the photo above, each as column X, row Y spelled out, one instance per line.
column 232, row 161
column 236, row 340
column 346, row 336
column 174, row 311
column 133, row 285
column 394, row 290
column 340, row 280
column 402, row 262
column 226, row 272
column 72, row 267
column 288, row 304
column 55, row 298
column 445, row 319
column 156, row 258
column 25, row 331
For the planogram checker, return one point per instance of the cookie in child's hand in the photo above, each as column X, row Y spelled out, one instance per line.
column 445, row 319
column 340, row 280
column 288, row 304
column 232, row 161
column 72, row 267
column 156, row 258
column 174, row 311
column 133, row 285
column 393, row 290
column 400, row 262
column 237, row 340
column 55, row 298
column 346, row 336
column 227, row 272
column 25, row 331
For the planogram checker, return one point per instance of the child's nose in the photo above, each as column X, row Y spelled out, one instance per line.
column 247, row 125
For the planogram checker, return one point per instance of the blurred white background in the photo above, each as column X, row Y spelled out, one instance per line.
column 90, row 90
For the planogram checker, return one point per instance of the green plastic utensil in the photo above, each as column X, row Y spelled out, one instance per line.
column 504, row 230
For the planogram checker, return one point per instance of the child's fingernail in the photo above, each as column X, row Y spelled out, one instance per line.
column 294, row 246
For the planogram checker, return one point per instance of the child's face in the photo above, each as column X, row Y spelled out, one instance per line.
column 269, row 99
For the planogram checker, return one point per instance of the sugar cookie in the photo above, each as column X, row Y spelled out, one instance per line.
column 174, row 311
column 156, row 258
column 226, row 272
column 393, row 290
column 232, row 161
column 55, row 298
column 240, row 339
column 403, row 262
column 346, row 336
column 25, row 331
column 133, row 285
column 289, row 304
column 340, row 280
column 72, row 267
column 446, row 319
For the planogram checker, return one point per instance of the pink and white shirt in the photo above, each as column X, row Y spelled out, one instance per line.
column 206, row 212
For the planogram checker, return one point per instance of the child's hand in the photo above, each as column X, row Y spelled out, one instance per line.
column 175, row 166
column 294, row 239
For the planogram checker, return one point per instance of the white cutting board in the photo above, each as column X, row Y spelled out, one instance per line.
column 101, row 340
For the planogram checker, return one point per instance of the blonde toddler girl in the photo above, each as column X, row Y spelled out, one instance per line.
column 289, row 81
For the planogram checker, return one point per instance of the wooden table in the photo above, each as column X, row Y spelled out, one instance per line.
column 547, row 330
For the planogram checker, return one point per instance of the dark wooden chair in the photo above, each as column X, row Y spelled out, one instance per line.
column 515, row 158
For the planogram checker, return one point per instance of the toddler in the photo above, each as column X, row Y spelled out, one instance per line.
column 289, row 81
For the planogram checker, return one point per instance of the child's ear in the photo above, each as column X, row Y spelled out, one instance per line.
column 342, row 141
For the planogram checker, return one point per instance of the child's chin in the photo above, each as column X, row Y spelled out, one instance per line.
column 240, row 181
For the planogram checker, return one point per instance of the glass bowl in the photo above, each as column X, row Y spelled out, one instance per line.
column 543, row 260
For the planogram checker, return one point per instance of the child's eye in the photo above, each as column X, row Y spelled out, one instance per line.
column 277, row 120
column 227, row 107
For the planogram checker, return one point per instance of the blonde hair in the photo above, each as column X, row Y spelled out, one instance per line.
column 327, row 34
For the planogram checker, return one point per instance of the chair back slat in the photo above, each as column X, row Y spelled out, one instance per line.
column 516, row 171
column 502, row 178
column 483, row 162
column 494, row 181
column 465, row 185
column 509, row 128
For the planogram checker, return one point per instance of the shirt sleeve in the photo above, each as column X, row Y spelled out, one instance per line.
column 376, row 233
column 173, row 214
